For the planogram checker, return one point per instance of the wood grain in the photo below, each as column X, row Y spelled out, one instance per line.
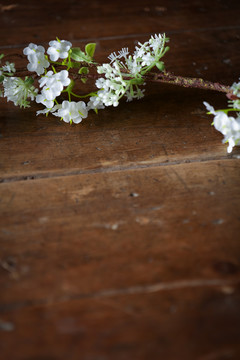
column 105, row 216
column 31, row 20
column 119, row 238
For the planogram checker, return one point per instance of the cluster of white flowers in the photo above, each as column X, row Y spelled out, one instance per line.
column 125, row 72
column 59, row 49
column 229, row 126
column 53, row 85
column 71, row 111
column 145, row 56
column 36, row 57
column 112, row 87
column 122, row 77
column 148, row 54
column 18, row 90
column 6, row 70
column 236, row 91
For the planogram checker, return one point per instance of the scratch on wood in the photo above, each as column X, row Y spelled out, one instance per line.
column 175, row 285
column 180, row 180
column 7, row 7
column 132, row 290
column 223, row 354
column 165, row 150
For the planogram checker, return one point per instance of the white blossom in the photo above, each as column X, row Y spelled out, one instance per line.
column 108, row 97
column 18, row 90
column 140, row 50
column 54, row 84
column 112, row 57
column 110, row 92
column 131, row 94
column 95, row 103
column 121, row 54
column 236, row 91
column 227, row 125
column 48, row 110
column 36, row 57
column 116, row 84
column 58, row 49
column 125, row 72
column 112, row 87
column 157, row 41
column 147, row 59
column 121, row 77
column 72, row 111
column 9, row 67
column 41, row 98
column 134, row 65
column 147, row 54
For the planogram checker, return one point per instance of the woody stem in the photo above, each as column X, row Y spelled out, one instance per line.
column 169, row 78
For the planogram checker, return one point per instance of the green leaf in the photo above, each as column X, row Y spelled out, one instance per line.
column 78, row 55
column 160, row 65
column 1, row 78
column 1, row 56
column 84, row 80
column 83, row 70
column 28, row 80
column 90, row 49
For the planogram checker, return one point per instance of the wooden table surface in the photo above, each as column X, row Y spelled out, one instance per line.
column 120, row 236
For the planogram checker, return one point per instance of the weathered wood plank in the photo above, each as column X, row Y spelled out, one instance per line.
column 85, row 233
column 30, row 20
column 201, row 322
column 119, row 237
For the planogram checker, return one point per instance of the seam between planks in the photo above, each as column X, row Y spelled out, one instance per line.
column 75, row 172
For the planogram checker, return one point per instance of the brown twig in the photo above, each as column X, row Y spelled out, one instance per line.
column 169, row 78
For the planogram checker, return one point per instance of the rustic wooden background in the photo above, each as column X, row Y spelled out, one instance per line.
column 120, row 236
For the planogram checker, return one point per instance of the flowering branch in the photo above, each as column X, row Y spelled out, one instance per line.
column 53, row 74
